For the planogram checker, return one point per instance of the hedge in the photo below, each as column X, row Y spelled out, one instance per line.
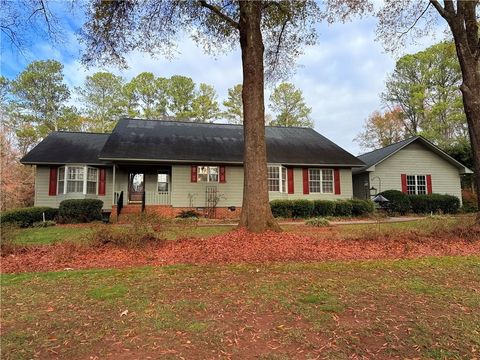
column 320, row 208
column 80, row 210
column 361, row 207
column 433, row 203
column 323, row 208
column 25, row 217
column 398, row 202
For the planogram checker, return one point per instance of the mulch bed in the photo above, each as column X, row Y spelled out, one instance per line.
column 237, row 246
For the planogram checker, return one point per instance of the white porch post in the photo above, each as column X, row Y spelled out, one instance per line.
column 113, row 186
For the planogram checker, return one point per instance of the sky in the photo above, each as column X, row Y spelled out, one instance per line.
column 341, row 76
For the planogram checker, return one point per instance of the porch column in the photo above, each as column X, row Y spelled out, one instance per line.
column 113, row 186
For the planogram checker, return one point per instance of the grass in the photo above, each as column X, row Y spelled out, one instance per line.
column 49, row 235
column 55, row 234
column 422, row 308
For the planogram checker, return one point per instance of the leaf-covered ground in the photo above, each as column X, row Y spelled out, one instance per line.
column 425, row 308
column 222, row 245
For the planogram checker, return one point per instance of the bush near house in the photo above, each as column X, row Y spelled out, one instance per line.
column 80, row 210
column 434, row 203
column 25, row 217
column 469, row 200
column 398, row 202
column 305, row 209
column 323, row 208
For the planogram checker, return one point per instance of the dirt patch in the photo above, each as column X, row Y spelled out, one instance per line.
column 238, row 246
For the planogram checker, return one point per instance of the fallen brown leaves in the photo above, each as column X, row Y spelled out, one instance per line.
column 239, row 246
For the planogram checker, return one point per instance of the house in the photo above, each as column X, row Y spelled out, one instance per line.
column 168, row 166
column 413, row 166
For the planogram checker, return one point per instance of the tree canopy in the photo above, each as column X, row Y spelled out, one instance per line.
column 289, row 107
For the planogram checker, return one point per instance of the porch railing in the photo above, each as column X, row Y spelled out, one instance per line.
column 157, row 198
column 149, row 197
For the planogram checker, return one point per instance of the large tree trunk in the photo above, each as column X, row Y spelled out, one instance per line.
column 465, row 43
column 256, row 213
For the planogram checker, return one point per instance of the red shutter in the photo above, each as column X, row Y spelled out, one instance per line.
column 291, row 188
column 306, row 189
column 404, row 183
column 101, row 181
column 193, row 174
column 223, row 175
column 336, row 181
column 429, row 184
column 52, row 186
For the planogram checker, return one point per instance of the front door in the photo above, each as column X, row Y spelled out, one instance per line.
column 136, row 186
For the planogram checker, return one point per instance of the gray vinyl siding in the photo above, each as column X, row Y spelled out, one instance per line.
column 42, row 181
column 359, row 185
column 415, row 159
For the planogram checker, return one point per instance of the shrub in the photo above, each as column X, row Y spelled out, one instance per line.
column 317, row 221
column 80, row 210
column 188, row 214
column 361, row 207
column 433, row 203
column 343, row 208
column 41, row 224
column 135, row 235
column 302, row 209
column 398, row 202
column 281, row 208
column 323, row 208
column 7, row 239
column 25, row 217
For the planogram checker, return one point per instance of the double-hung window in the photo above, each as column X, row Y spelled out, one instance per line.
column 207, row 173
column 416, row 184
column 277, row 178
column 320, row 181
column 77, row 179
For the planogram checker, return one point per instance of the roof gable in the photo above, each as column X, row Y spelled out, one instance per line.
column 375, row 157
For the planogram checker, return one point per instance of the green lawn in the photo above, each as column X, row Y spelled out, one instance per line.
column 54, row 234
column 49, row 235
column 423, row 308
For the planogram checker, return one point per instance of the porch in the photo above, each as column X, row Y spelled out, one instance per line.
column 141, row 185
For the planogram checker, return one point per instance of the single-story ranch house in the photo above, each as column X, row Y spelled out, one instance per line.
column 413, row 166
column 168, row 166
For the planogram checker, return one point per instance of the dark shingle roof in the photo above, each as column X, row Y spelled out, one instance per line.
column 199, row 142
column 376, row 156
column 67, row 148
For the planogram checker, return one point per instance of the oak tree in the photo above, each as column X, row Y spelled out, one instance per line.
column 271, row 33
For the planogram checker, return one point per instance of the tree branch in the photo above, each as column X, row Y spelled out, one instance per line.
column 440, row 10
column 415, row 22
column 217, row 11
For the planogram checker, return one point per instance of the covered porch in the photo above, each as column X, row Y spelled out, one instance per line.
column 141, row 184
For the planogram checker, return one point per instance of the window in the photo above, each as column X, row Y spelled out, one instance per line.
column 61, row 180
column 74, row 179
column 416, row 184
column 277, row 178
column 92, row 177
column 162, row 182
column 320, row 181
column 207, row 173
column 77, row 179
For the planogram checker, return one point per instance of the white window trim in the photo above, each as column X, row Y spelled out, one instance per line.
column 85, row 176
column 321, row 181
column 280, row 178
column 208, row 173
column 416, row 184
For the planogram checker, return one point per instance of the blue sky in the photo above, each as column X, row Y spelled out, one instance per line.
column 341, row 77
